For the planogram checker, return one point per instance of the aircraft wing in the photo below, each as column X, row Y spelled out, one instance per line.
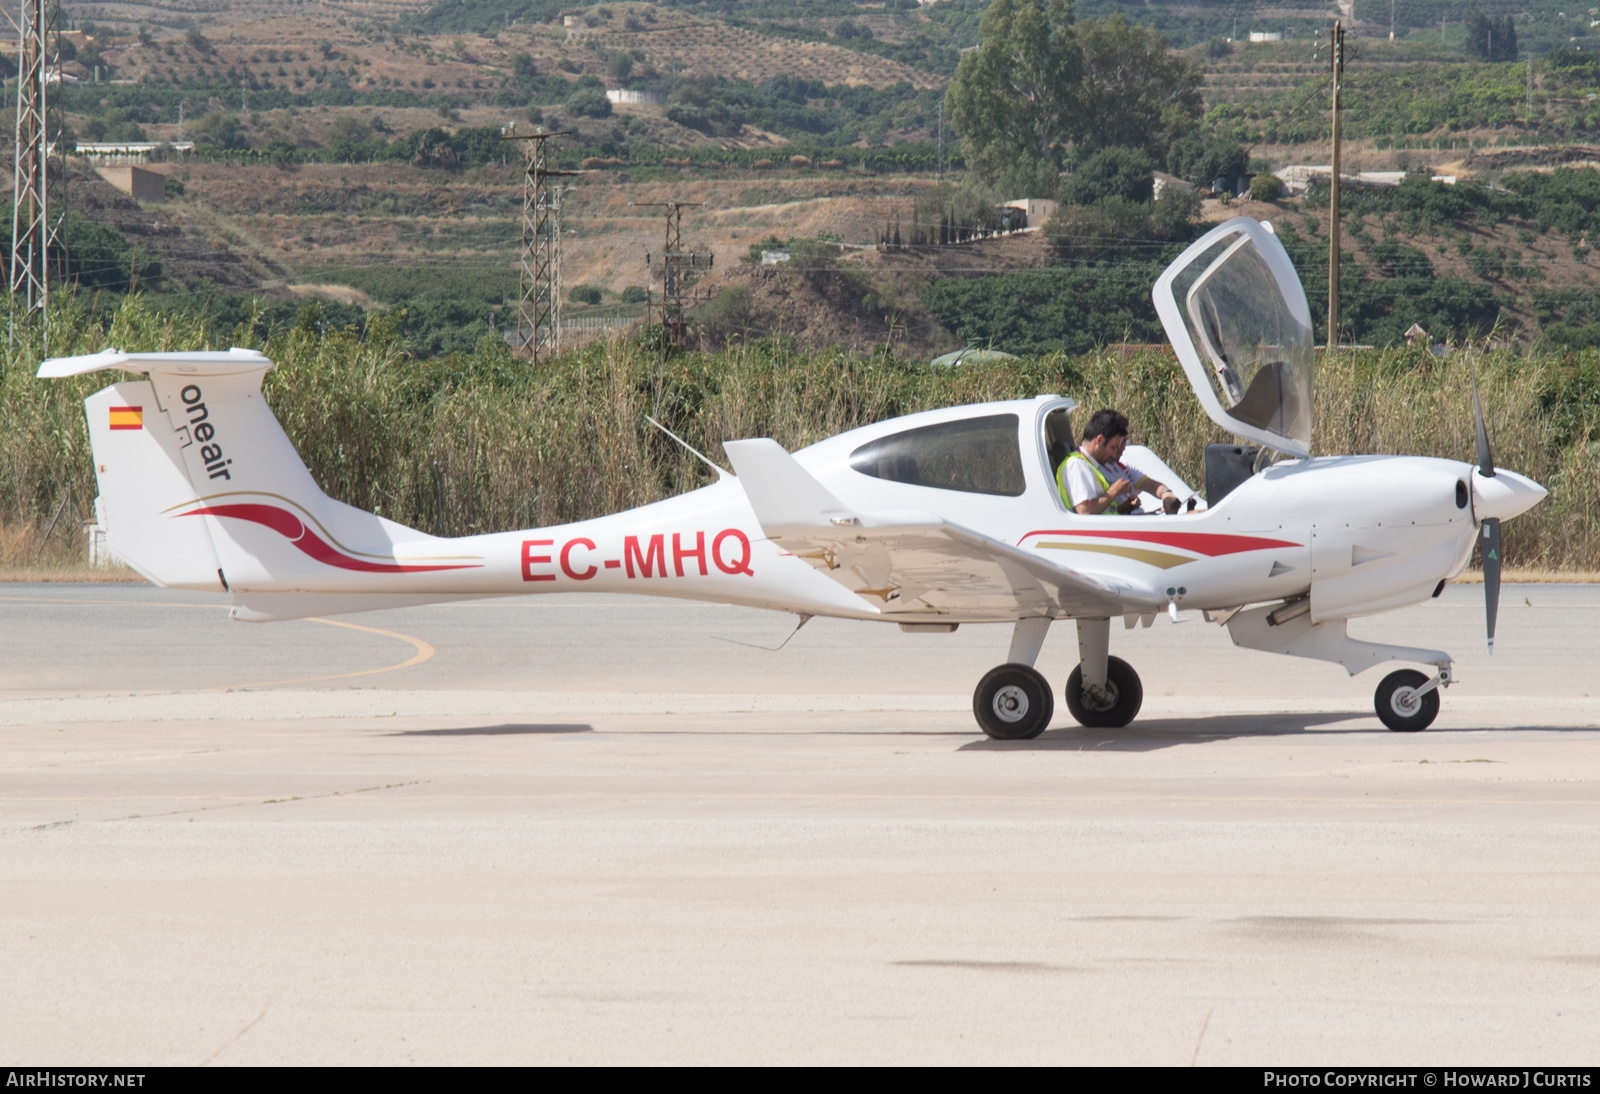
column 903, row 563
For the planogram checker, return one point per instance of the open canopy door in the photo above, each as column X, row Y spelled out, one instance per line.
column 1236, row 314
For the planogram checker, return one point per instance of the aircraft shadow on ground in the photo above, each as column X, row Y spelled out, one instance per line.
column 495, row 731
column 1157, row 733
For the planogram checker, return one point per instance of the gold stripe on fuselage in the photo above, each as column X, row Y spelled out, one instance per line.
column 1160, row 559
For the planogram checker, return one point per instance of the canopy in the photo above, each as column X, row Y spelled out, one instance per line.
column 1237, row 317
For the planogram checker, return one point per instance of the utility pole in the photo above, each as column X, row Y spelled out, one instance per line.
column 1336, row 58
column 941, row 138
column 1391, row 20
column 678, row 268
column 37, row 251
column 539, row 272
column 1530, row 83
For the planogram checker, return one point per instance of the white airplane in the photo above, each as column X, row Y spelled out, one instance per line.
column 931, row 520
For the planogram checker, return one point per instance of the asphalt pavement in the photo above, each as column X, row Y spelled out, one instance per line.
column 581, row 829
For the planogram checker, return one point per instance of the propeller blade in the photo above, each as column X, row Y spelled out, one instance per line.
column 1485, row 457
column 1490, row 551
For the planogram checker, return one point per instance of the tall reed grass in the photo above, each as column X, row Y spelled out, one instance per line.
column 486, row 442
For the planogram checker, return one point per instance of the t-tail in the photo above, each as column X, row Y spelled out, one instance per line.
column 201, row 489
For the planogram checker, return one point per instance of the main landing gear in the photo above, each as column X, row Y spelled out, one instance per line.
column 1013, row 702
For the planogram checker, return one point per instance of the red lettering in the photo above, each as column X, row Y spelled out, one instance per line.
column 741, row 565
column 612, row 564
column 679, row 554
column 566, row 560
column 529, row 558
column 648, row 561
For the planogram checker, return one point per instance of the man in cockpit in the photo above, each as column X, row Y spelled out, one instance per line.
column 1094, row 479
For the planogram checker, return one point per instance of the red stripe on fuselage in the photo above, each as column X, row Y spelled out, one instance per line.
column 295, row 531
column 1201, row 543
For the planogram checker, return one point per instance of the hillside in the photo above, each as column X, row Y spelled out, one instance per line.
column 352, row 150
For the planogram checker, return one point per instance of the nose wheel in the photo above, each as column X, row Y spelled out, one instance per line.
column 1013, row 703
column 1407, row 701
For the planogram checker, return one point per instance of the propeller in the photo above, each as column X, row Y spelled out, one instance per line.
column 1489, row 547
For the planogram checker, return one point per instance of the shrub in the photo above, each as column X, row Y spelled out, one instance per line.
column 584, row 294
column 1266, row 187
column 589, row 102
column 633, row 294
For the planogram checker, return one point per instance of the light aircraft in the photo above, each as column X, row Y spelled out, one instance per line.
column 929, row 521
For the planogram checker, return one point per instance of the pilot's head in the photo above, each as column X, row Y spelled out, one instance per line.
column 1105, row 435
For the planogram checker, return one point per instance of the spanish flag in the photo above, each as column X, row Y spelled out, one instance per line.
column 127, row 417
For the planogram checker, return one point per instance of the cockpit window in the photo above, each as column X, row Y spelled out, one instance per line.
column 975, row 455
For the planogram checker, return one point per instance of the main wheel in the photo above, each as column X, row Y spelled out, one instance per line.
column 1124, row 696
column 1013, row 703
column 1399, row 706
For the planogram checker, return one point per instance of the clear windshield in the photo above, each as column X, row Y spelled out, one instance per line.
column 1258, row 353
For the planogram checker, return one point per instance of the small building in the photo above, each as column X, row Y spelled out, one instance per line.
column 620, row 95
column 1266, row 35
column 109, row 154
column 1035, row 211
column 773, row 258
column 142, row 185
column 1416, row 336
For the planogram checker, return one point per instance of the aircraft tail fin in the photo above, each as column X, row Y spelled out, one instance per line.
column 201, row 489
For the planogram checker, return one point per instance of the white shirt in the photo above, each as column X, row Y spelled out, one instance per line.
column 1082, row 486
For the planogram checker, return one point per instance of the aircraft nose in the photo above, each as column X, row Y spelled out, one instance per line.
column 1506, row 495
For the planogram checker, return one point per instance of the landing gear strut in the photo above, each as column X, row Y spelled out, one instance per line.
column 1103, row 691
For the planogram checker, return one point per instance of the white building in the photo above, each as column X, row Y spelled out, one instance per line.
column 635, row 98
column 119, row 154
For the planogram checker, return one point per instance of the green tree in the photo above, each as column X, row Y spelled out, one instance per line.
column 1491, row 39
column 1112, row 172
column 1199, row 158
column 218, row 128
column 1133, row 92
column 1013, row 99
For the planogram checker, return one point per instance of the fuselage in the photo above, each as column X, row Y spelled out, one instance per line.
column 1359, row 534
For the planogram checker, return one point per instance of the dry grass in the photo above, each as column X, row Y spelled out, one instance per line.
column 510, row 447
column 1530, row 576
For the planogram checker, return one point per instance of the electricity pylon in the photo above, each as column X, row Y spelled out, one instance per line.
column 38, row 252
column 539, row 274
column 678, row 267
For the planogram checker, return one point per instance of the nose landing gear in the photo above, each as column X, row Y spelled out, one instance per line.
column 1408, row 701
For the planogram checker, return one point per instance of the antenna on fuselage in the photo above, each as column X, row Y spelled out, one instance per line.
column 722, row 473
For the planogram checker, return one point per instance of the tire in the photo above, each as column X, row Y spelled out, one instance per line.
column 1013, row 703
column 1396, row 707
column 1122, row 684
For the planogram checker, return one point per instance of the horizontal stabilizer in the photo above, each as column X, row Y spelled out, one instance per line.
column 196, row 363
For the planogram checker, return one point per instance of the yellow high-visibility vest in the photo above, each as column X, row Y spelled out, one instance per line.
column 1105, row 485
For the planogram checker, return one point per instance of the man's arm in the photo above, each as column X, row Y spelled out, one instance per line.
column 1098, row 504
column 1084, row 494
column 1170, row 501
